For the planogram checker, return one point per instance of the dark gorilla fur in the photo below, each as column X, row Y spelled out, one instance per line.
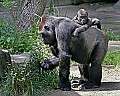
column 88, row 49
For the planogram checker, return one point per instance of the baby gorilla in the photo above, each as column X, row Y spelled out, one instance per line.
column 84, row 21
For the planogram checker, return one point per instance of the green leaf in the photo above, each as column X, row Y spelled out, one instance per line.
column 8, row 39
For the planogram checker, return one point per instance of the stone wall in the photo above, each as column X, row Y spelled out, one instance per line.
column 6, row 14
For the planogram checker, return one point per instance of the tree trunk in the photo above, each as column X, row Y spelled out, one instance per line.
column 27, row 16
column 5, row 59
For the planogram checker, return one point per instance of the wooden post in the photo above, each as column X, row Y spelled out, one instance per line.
column 5, row 59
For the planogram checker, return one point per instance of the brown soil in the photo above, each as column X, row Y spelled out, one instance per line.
column 110, row 84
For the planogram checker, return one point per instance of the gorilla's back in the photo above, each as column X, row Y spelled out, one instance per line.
column 82, row 47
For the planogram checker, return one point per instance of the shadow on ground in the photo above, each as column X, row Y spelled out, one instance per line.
column 105, row 86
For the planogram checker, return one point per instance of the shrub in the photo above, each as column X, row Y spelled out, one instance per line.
column 112, row 58
column 28, row 79
column 111, row 35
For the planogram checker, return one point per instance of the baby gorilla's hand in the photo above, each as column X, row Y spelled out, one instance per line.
column 76, row 32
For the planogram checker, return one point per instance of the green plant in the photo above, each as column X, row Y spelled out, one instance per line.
column 112, row 58
column 111, row 35
column 29, row 79
column 17, row 42
column 7, row 3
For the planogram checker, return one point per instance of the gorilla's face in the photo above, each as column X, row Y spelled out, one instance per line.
column 48, row 33
column 82, row 17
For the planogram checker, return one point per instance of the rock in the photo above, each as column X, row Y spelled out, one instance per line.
column 5, row 59
column 22, row 58
column 117, row 5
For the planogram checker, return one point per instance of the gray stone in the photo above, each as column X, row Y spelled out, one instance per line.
column 114, row 45
column 20, row 58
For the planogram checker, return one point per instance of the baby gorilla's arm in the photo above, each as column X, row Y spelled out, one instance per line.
column 82, row 28
column 96, row 22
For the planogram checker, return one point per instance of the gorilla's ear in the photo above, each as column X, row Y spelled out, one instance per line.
column 42, row 23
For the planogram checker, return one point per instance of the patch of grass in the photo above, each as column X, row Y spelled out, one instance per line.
column 112, row 58
column 28, row 81
column 111, row 35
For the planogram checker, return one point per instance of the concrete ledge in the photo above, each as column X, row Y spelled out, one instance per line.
column 20, row 58
column 114, row 45
column 24, row 57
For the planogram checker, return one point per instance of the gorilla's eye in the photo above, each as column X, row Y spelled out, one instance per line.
column 47, row 28
column 77, row 15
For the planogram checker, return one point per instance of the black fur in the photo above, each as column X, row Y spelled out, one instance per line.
column 88, row 49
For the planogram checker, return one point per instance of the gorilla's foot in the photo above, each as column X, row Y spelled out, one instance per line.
column 88, row 85
column 78, row 81
column 65, row 86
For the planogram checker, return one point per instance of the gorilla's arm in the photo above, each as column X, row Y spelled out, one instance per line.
column 50, row 63
column 96, row 22
column 54, row 49
column 82, row 28
column 63, row 36
column 75, row 19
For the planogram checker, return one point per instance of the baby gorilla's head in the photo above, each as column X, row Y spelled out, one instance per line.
column 82, row 16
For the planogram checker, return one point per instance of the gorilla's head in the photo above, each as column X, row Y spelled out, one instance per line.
column 47, row 29
column 82, row 16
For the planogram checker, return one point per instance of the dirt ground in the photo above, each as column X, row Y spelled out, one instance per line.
column 110, row 18
column 110, row 84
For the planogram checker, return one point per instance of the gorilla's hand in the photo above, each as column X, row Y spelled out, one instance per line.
column 49, row 64
column 46, row 65
column 76, row 32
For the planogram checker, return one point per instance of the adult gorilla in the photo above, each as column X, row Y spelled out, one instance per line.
column 88, row 49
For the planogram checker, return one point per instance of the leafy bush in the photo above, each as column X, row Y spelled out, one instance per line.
column 111, row 35
column 28, row 79
column 112, row 58
column 16, row 42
